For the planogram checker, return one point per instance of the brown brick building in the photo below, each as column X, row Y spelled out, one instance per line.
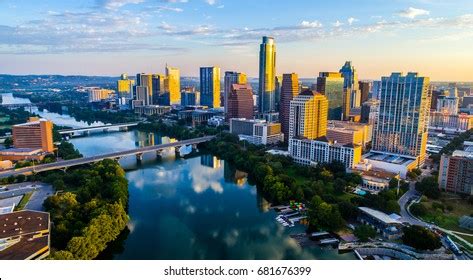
column 240, row 102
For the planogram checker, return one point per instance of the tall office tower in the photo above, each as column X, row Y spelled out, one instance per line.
column 308, row 115
column 289, row 90
column 331, row 84
column 376, row 90
column 240, row 102
column 210, row 86
column 436, row 94
column 365, row 89
column 267, row 76
column 350, row 77
column 401, row 126
column 125, row 86
column 35, row 134
column 230, row 79
column 142, row 94
column 160, row 90
column 190, row 97
column 146, row 80
column 277, row 92
column 174, row 85
column 138, row 79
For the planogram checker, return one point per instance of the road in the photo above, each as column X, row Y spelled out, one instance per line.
column 40, row 193
column 86, row 160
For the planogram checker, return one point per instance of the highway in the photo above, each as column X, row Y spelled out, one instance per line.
column 115, row 155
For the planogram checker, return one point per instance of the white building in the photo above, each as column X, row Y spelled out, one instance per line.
column 258, row 132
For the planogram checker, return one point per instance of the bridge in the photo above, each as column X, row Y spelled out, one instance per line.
column 74, row 131
column 18, row 105
column 116, row 156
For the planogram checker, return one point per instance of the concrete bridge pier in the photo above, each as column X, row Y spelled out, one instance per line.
column 159, row 155
column 176, row 151
column 123, row 128
column 139, row 157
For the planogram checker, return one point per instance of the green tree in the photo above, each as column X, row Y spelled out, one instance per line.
column 429, row 187
column 421, row 238
column 364, row 233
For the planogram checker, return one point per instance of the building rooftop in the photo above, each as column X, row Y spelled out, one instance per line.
column 28, row 151
column 23, row 222
column 378, row 215
column 35, row 122
column 389, row 158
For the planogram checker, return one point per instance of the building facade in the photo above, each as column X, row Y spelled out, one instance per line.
column 35, row 134
column 230, row 79
column 289, row 90
column 210, row 87
column 99, row 94
column 331, row 84
column 443, row 121
column 308, row 115
column 402, row 122
column 125, row 86
column 257, row 132
column 456, row 173
column 173, row 76
column 267, row 76
column 240, row 102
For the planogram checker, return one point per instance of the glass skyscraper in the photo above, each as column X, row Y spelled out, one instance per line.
column 267, row 76
column 402, row 122
column 210, row 86
column 230, row 79
column 331, row 84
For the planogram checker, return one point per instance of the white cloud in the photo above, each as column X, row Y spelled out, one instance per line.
column 351, row 20
column 337, row 23
column 413, row 13
column 311, row 24
column 211, row 2
column 115, row 4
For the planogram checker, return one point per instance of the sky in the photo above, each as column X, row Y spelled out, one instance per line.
column 109, row 37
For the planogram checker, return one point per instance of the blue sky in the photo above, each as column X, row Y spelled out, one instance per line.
column 108, row 37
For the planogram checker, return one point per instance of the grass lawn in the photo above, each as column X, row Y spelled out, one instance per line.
column 24, row 200
column 448, row 218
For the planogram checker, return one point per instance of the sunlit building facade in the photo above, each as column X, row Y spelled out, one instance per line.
column 230, row 79
column 331, row 84
column 267, row 76
column 308, row 115
column 289, row 90
column 125, row 86
column 210, row 87
column 173, row 85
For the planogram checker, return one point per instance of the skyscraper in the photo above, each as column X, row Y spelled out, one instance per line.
column 350, row 77
column 331, row 84
column 267, row 75
column 277, row 92
column 230, row 79
column 146, row 80
column 125, row 86
column 240, row 102
column 308, row 115
column 160, row 91
column 210, row 86
column 402, row 122
column 174, row 85
column 289, row 90
column 365, row 88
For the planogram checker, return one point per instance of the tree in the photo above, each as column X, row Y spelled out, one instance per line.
column 365, row 232
column 418, row 210
column 429, row 187
column 421, row 238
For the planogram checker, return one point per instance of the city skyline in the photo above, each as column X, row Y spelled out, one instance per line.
column 108, row 37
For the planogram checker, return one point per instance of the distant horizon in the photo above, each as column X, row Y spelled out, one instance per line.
column 221, row 78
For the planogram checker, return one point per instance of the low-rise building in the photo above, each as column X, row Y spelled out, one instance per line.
column 152, row 110
column 216, row 121
column 24, row 235
column 394, row 163
column 384, row 224
column 321, row 150
column 258, row 132
column 19, row 154
column 344, row 132
column 374, row 180
column 5, row 164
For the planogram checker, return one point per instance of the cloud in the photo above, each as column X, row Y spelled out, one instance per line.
column 413, row 13
column 351, row 20
column 115, row 4
column 311, row 24
column 211, row 2
column 337, row 23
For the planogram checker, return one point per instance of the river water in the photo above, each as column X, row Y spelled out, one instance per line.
column 196, row 208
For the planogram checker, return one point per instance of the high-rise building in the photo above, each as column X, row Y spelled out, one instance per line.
column 267, row 76
column 350, row 77
column 289, row 90
column 369, row 111
column 160, row 94
column 190, row 96
column 402, row 122
column 125, row 86
column 365, row 89
column 35, row 134
column 277, row 92
column 456, row 173
column 99, row 94
column 210, row 86
column 448, row 102
column 173, row 85
column 146, row 80
column 240, row 102
column 230, row 79
column 331, row 84
column 308, row 115
column 142, row 95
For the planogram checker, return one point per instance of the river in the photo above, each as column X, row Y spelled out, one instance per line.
column 196, row 208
